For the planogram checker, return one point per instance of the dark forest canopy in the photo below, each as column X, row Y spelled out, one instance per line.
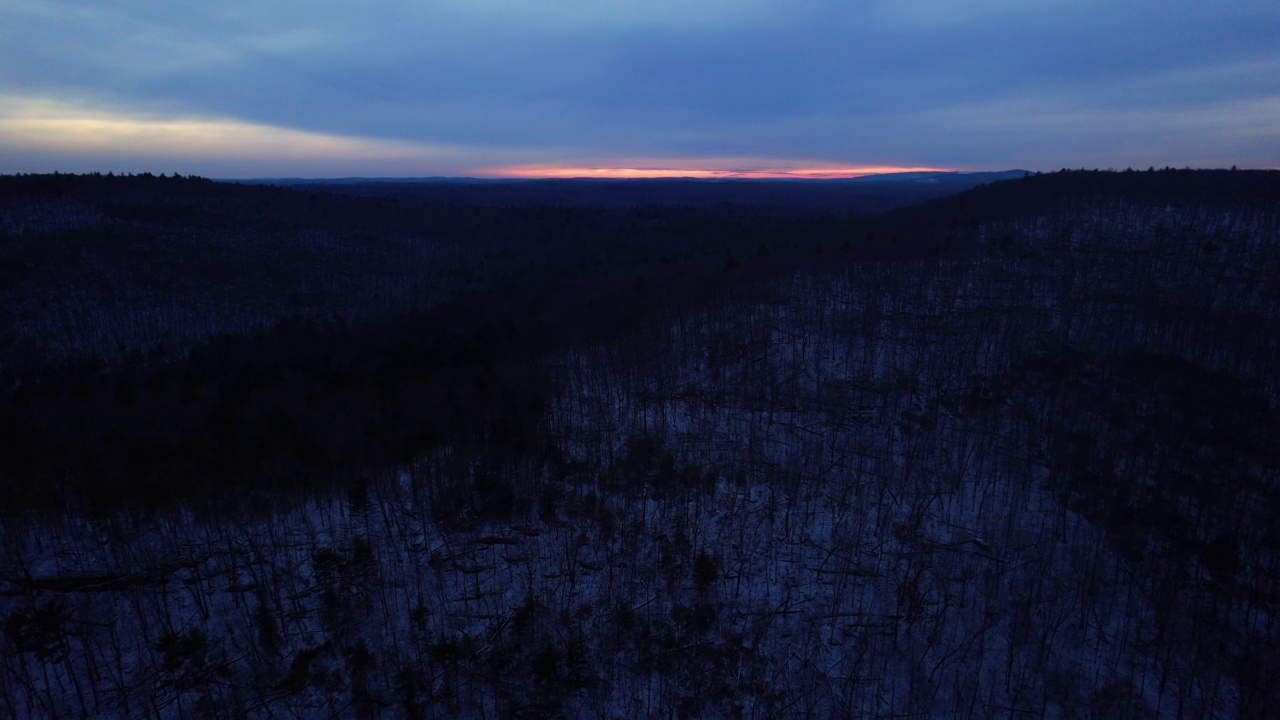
column 1009, row 451
column 155, row 323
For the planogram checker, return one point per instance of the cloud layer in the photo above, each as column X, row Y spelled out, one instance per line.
column 404, row 87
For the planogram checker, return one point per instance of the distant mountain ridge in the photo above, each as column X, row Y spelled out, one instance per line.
column 963, row 176
column 863, row 196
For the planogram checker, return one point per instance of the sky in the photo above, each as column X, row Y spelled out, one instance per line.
column 635, row 88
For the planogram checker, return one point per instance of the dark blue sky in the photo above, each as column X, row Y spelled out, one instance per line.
column 466, row 87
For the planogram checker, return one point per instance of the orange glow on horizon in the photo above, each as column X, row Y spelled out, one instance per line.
column 757, row 173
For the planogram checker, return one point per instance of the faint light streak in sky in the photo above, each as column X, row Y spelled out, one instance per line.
column 34, row 123
column 777, row 172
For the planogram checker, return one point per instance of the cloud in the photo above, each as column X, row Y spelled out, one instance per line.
column 947, row 13
column 36, row 125
column 572, row 83
column 596, row 14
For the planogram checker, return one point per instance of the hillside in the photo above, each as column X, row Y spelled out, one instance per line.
column 1007, row 452
column 159, row 325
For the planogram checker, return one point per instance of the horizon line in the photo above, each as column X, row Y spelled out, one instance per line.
column 639, row 174
column 820, row 172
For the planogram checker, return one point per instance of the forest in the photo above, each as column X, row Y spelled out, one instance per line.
column 1005, row 448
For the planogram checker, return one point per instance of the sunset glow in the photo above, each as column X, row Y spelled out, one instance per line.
column 781, row 172
column 71, row 129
